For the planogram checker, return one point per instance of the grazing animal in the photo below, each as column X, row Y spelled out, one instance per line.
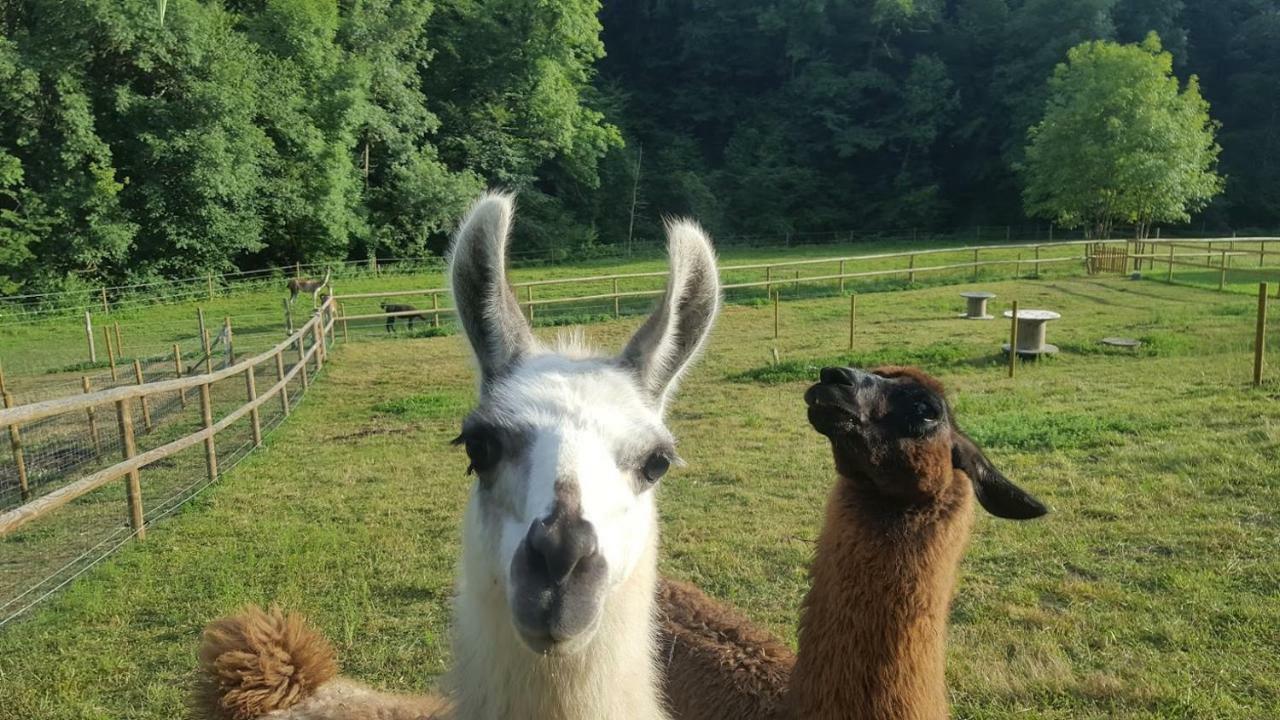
column 873, row 625
column 401, row 308
column 554, row 617
column 310, row 285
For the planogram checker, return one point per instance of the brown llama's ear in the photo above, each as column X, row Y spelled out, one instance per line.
column 995, row 492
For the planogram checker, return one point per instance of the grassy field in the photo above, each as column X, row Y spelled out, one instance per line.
column 1151, row 591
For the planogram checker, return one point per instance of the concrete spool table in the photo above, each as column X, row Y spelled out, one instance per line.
column 1031, row 331
column 977, row 305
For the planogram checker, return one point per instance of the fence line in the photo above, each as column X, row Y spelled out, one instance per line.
column 108, row 297
column 1090, row 258
column 320, row 330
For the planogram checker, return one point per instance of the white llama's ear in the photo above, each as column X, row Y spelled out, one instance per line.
column 664, row 347
column 487, row 308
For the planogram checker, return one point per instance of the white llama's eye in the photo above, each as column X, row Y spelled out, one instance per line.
column 655, row 467
column 483, row 449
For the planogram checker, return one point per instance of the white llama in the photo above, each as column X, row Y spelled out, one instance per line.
column 554, row 613
column 554, row 616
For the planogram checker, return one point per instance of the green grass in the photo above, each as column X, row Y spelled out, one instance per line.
column 1151, row 591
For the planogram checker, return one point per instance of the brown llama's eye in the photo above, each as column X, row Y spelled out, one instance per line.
column 926, row 412
column 655, row 467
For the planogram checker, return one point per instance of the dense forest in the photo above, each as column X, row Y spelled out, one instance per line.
column 147, row 138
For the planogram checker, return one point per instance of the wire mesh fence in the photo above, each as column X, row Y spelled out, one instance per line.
column 43, row 552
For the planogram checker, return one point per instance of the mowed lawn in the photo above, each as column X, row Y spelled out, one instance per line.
column 1151, row 591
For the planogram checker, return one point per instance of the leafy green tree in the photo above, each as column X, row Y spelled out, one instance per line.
column 1120, row 142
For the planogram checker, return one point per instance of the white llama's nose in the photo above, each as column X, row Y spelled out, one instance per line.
column 558, row 543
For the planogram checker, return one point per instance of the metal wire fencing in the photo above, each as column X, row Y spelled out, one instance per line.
column 164, row 439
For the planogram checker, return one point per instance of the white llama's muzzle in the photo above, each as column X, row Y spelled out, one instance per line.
column 558, row 581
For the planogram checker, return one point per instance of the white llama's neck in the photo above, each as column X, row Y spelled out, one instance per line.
column 496, row 677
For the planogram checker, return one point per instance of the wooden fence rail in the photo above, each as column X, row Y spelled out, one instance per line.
column 319, row 328
column 1126, row 249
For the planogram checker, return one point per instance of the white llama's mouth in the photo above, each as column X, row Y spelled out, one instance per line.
column 557, row 580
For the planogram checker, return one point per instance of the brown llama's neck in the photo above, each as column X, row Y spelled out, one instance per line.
column 873, row 626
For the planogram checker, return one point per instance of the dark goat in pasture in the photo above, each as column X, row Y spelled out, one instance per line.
column 395, row 311
column 873, row 625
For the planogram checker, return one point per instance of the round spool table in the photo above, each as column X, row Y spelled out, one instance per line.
column 977, row 309
column 1031, row 330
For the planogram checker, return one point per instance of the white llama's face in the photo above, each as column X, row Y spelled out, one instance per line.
column 567, row 455
column 566, row 448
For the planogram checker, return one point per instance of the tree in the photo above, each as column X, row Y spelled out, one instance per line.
column 1120, row 142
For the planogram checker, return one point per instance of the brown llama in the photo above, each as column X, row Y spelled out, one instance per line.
column 873, row 626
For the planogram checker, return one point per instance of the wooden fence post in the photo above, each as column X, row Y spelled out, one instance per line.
column 342, row 313
column 1222, row 271
column 1038, row 253
column 106, row 309
column 179, row 371
column 88, row 335
column 119, row 342
column 435, row 306
column 911, row 268
column 768, row 280
column 209, row 285
column 93, row 418
column 284, row 389
column 796, row 286
column 111, row 356
column 302, row 360
column 853, row 309
column 1169, row 275
column 529, row 294
column 317, row 337
column 1013, row 339
column 1260, row 337
column 146, row 406
column 975, row 264
column 842, row 277
column 19, row 457
column 255, row 418
column 617, row 308
column 132, row 483
column 210, row 449
column 775, row 314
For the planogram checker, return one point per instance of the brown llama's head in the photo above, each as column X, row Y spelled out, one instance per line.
column 892, row 431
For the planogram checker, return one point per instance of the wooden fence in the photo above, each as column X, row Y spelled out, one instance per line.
column 1091, row 256
column 316, row 331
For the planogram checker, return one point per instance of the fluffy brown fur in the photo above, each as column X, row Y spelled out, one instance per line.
column 873, row 626
column 257, row 663
column 716, row 663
